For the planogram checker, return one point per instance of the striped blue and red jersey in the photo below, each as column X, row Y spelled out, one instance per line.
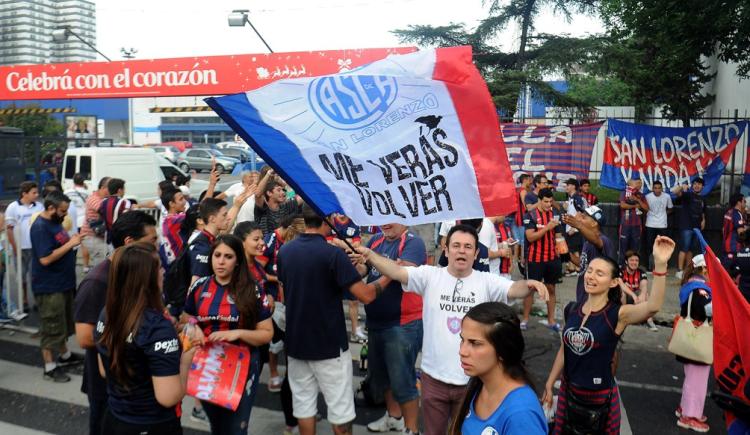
column 212, row 305
column 633, row 278
column 260, row 272
column 521, row 209
column 503, row 234
column 629, row 217
column 733, row 221
column 171, row 238
column 542, row 250
column 590, row 198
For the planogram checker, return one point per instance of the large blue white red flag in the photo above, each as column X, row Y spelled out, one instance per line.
column 731, row 315
column 673, row 156
column 410, row 138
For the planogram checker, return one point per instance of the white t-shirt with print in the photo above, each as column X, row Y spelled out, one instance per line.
column 18, row 216
column 247, row 211
column 487, row 237
column 445, row 301
column 656, row 217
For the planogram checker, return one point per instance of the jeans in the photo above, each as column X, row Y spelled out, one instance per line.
column 651, row 234
column 392, row 355
column 630, row 239
column 689, row 242
column 440, row 404
column 97, row 409
column 227, row 422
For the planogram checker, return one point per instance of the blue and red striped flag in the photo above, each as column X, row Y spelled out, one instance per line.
column 731, row 317
column 411, row 139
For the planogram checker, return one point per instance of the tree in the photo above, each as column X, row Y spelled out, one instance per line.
column 33, row 124
column 660, row 47
column 509, row 74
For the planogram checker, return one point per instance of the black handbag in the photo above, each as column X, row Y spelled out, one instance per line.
column 583, row 417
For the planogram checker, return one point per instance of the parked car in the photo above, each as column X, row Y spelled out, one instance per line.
column 181, row 145
column 168, row 152
column 240, row 145
column 238, row 153
column 141, row 168
column 200, row 159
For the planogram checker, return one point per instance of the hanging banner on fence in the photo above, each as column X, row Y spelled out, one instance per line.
column 409, row 139
column 671, row 155
column 205, row 75
column 559, row 152
column 218, row 373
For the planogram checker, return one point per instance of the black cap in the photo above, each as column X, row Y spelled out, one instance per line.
column 572, row 182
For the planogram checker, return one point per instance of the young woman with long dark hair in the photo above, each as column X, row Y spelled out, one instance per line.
column 139, row 352
column 592, row 330
column 500, row 395
column 228, row 306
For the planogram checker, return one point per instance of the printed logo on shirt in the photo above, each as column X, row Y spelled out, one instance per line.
column 202, row 258
column 454, row 325
column 206, row 295
column 167, row 346
column 230, row 299
column 100, row 327
column 489, row 431
column 580, row 341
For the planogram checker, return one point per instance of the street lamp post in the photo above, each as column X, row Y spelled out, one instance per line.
column 129, row 53
column 62, row 33
column 239, row 17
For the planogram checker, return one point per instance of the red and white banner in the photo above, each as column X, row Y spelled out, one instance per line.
column 218, row 373
column 209, row 75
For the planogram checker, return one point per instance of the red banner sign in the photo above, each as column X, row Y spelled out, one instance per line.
column 218, row 373
column 210, row 75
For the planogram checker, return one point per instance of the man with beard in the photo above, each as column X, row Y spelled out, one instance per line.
column 53, row 274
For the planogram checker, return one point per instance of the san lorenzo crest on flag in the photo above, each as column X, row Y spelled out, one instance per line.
column 350, row 102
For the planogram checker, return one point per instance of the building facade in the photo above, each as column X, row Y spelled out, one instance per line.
column 26, row 28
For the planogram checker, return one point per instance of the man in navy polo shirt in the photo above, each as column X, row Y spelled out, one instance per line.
column 394, row 322
column 135, row 226
column 314, row 275
column 53, row 275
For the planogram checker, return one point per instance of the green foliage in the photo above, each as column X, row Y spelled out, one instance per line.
column 661, row 46
column 509, row 73
column 597, row 91
column 33, row 125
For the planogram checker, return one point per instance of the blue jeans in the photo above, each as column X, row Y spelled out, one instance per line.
column 630, row 239
column 227, row 422
column 392, row 355
column 689, row 242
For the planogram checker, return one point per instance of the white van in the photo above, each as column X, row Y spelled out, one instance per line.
column 141, row 168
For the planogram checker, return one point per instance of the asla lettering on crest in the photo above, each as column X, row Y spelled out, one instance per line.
column 350, row 102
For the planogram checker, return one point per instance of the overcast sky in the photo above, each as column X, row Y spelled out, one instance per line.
column 181, row 28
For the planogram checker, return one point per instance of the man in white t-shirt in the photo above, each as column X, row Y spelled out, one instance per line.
column 18, row 222
column 448, row 294
column 247, row 212
column 659, row 205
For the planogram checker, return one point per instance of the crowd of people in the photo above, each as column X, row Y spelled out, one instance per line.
column 257, row 267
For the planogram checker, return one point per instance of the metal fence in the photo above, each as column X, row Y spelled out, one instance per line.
column 33, row 157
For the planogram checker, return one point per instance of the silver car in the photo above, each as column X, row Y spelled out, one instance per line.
column 201, row 159
column 168, row 152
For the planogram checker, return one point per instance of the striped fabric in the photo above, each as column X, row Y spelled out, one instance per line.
column 597, row 397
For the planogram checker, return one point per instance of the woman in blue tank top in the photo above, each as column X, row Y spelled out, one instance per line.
column 500, row 398
column 588, row 402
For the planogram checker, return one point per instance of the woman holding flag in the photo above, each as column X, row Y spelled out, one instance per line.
column 589, row 398
column 229, row 307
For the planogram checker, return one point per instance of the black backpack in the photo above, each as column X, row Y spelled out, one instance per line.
column 177, row 279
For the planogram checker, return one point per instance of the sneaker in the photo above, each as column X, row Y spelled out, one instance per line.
column 524, row 326
column 73, row 360
column 199, row 415
column 521, row 268
column 57, row 375
column 274, row 384
column 86, row 269
column 18, row 315
column 291, row 430
column 360, row 333
column 652, row 326
column 678, row 414
column 386, row 423
column 555, row 327
column 692, row 424
column 408, row 431
column 678, row 274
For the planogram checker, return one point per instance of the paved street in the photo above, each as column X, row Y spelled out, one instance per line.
column 649, row 377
